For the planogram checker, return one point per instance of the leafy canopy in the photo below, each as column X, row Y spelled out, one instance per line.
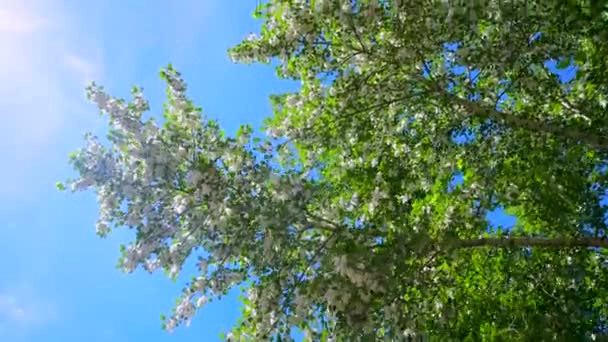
column 363, row 214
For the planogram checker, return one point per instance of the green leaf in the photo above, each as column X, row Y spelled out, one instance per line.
column 563, row 63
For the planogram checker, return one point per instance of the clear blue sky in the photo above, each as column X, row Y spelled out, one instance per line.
column 58, row 281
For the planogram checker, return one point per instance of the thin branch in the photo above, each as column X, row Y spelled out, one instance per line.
column 321, row 222
column 511, row 83
column 300, row 278
column 376, row 106
column 514, row 242
column 354, row 28
column 518, row 121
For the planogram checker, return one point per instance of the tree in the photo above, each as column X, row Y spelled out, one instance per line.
column 363, row 214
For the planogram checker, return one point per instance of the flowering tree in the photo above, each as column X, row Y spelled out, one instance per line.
column 363, row 214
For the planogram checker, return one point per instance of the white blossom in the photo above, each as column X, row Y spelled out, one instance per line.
column 180, row 204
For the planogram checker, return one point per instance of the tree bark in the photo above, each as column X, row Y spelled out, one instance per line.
column 531, row 242
column 517, row 121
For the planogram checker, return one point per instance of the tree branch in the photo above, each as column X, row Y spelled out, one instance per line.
column 517, row 121
column 530, row 242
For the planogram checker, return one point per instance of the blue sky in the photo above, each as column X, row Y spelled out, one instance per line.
column 58, row 279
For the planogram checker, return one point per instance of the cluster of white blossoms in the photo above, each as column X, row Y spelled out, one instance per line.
column 184, row 185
